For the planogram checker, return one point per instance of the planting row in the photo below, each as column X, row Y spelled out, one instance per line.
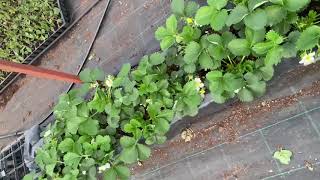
column 225, row 49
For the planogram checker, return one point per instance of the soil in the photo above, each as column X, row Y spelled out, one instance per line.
column 8, row 93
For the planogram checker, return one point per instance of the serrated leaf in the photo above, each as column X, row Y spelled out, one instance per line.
column 218, row 53
column 99, row 101
column 189, row 68
column 162, row 125
column 129, row 155
column 267, row 72
column 156, row 59
column 127, row 141
column 256, row 20
column 309, row 38
column 214, row 39
column 274, row 37
column 30, row 176
column 214, row 75
column 167, row 42
column 72, row 159
column 74, row 123
column 205, row 15
column 258, row 89
column 66, row 145
column 275, row 14
column 273, row 56
column 255, row 36
column 82, row 110
column 295, row 5
column 205, row 61
column 262, row 48
column 245, row 95
column 177, row 7
column 227, row 36
column 253, row 4
column 239, row 47
column 89, row 127
column 91, row 75
column 192, row 52
column 289, row 48
column 123, row 172
column 143, row 151
column 284, row 156
column 218, row 22
column 172, row 24
column 110, row 174
column 218, row 98
column 237, row 14
column 251, row 78
column 191, row 8
column 162, row 33
column 218, row 4
column 279, row 2
column 190, row 34
column 50, row 169
column 125, row 69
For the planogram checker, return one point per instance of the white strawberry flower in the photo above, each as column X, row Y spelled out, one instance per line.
column 47, row 133
column 202, row 92
column 308, row 59
column 199, row 84
column 104, row 167
column 93, row 85
column 84, row 172
column 237, row 90
column 109, row 81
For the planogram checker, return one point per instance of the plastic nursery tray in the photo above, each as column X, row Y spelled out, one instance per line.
column 12, row 165
column 42, row 47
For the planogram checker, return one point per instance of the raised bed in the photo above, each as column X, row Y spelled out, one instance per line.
column 41, row 47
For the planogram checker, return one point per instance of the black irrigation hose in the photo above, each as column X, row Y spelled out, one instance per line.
column 18, row 133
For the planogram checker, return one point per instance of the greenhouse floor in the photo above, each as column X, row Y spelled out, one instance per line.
column 231, row 141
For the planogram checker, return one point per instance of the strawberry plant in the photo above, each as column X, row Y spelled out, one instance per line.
column 24, row 25
column 226, row 49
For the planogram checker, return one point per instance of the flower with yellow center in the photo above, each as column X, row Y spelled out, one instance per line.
column 109, row 81
column 199, row 84
column 104, row 167
column 189, row 21
column 93, row 85
column 202, row 92
column 308, row 59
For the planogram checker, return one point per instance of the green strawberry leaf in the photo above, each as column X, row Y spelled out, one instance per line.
column 284, row 156
column 237, row 14
column 239, row 47
column 309, row 38
column 192, row 52
column 218, row 4
column 177, row 7
column 253, row 4
column 256, row 20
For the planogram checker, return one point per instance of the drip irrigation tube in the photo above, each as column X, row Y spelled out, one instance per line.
column 18, row 133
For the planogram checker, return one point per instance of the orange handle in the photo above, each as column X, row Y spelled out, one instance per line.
column 38, row 72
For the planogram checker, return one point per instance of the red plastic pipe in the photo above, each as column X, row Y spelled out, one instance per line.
column 38, row 72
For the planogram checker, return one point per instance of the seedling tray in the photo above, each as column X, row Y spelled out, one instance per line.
column 42, row 47
column 12, row 165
